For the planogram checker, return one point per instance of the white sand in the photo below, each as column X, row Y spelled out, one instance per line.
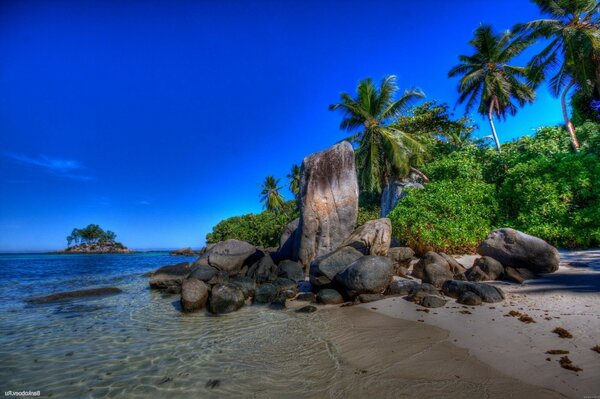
column 569, row 298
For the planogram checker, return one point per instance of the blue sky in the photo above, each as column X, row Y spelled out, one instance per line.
column 157, row 119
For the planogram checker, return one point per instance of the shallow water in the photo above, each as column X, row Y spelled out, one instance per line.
column 138, row 343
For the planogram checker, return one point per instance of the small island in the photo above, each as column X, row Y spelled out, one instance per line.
column 93, row 240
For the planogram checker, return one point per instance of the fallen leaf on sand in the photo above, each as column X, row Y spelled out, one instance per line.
column 557, row 352
column 562, row 332
column 566, row 363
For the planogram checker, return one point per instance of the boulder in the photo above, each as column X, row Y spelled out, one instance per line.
column 485, row 268
column 519, row 250
column 266, row 293
column 169, row 278
column 476, row 274
column 263, row 271
column 419, row 292
column 230, row 255
column 194, row 294
column 487, row 292
column 433, row 301
column 429, row 258
column 396, row 191
column 203, row 272
column 246, row 284
column 305, row 286
column 367, row 275
column 279, row 301
column 61, row 296
column 226, row 298
column 290, row 270
column 328, row 296
column 469, row 298
column 401, row 287
column 287, row 241
column 366, row 298
column 436, row 275
column 219, row 278
column 307, row 309
column 284, row 284
column 372, row 238
column 307, row 297
column 517, row 275
column 328, row 201
column 324, row 268
column 401, row 257
column 188, row 251
column 455, row 267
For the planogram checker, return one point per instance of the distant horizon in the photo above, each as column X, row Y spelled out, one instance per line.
column 157, row 120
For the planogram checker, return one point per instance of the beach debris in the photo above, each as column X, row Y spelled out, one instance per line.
column 566, row 363
column 464, row 312
column 596, row 348
column 211, row 384
column 525, row 318
column 513, row 313
column 423, row 310
column 557, row 352
column 562, row 332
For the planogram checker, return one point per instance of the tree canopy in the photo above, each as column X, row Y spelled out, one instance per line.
column 91, row 234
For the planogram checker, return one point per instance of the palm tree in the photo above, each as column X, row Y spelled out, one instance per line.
column 573, row 51
column 487, row 79
column 270, row 196
column 294, row 179
column 384, row 151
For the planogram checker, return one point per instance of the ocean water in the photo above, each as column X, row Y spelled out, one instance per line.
column 139, row 344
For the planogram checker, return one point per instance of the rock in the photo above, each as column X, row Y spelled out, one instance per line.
column 263, row 271
column 487, row 292
column 183, row 252
column 366, row 298
column 328, row 296
column 476, row 274
column 324, row 268
column 170, row 277
column 230, row 255
column 455, row 267
column 226, row 298
column 396, row 191
column 470, row 299
column 219, row 278
column 328, row 201
column 279, row 301
column 429, row 258
column 61, row 296
column 290, row 270
column 372, row 238
column 266, row 293
column 306, row 297
column 305, row 286
column 419, row 292
column 246, row 284
column 367, row 275
column 433, row 301
column 490, row 266
column 287, row 241
column 203, row 272
column 102, row 247
column 194, row 294
column 519, row 250
column 401, row 287
column 518, row 275
column 401, row 257
column 307, row 309
column 436, row 275
column 283, row 284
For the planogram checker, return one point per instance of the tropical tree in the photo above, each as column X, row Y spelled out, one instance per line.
column 294, row 179
column 572, row 55
column 270, row 196
column 489, row 81
column 384, row 151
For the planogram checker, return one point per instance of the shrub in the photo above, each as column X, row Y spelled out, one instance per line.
column 450, row 216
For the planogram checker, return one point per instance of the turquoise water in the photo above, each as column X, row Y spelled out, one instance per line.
column 138, row 343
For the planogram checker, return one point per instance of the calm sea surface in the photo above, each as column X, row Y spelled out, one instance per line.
column 138, row 344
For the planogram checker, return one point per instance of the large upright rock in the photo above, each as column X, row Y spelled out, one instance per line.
column 519, row 250
column 372, row 238
column 396, row 191
column 328, row 202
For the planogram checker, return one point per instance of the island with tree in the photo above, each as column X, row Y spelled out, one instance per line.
column 93, row 239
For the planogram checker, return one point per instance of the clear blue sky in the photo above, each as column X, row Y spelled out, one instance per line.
column 157, row 119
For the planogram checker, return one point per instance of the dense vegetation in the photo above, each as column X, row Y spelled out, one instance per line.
column 91, row 234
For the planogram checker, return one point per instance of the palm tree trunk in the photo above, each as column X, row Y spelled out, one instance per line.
column 491, row 119
column 568, row 124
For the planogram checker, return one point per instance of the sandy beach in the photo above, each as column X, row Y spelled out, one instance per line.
column 569, row 298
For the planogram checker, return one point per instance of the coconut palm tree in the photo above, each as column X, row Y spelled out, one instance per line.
column 270, row 196
column 294, row 179
column 384, row 151
column 489, row 81
column 573, row 52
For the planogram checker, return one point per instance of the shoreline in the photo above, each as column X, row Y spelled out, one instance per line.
column 568, row 298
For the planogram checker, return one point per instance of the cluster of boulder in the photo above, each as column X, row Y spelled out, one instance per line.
column 323, row 258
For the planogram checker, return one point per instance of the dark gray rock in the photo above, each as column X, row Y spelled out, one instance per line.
column 366, row 298
column 476, row 274
column 367, row 275
column 470, row 299
column 194, row 294
column 226, row 298
column 436, row 275
column 487, row 292
column 263, row 271
column 266, row 293
column 279, row 301
column 307, row 297
column 490, row 266
column 290, row 270
column 518, row 275
column 419, row 292
column 455, row 267
column 401, row 287
column 169, row 278
column 328, row 296
column 372, row 238
column 429, row 258
column 433, row 301
column 519, row 250
column 230, row 255
column 284, row 284
column 324, row 268
column 307, row 309
column 287, row 241
column 305, row 286
column 61, row 296
column 328, row 201
column 219, row 278
column 396, row 191
column 246, row 284
column 401, row 257
column 203, row 272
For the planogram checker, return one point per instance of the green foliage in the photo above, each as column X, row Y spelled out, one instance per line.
column 450, row 216
column 91, row 234
column 460, row 165
column 369, row 207
column 589, row 135
column 270, row 194
column 294, row 179
column 263, row 229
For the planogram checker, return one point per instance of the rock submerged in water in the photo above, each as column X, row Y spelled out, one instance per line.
column 372, row 238
column 367, row 275
column 328, row 202
column 87, row 293
column 194, row 294
column 324, row 269
column 226, row 298
column 170, row 278
column 519, row 250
